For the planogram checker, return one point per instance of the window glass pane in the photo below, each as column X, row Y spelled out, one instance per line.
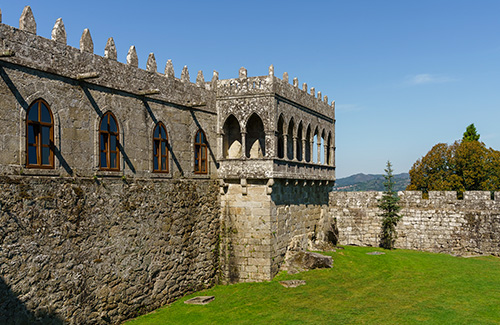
column 196, row 165
column 155, row 163
column 203, row 166
column 163, row 133
column 33, row 113
column 157, row 131
column 45, row 114
column 203, row 153
column 196, row 152
column 112, row 143
column 112, row 161
column 163, row 163
column 45, row 156
column 104, row 123
column 104, row 163
column 31, row 134
column 163, row 148
column 155, row 147
column 112, row 124
column 32, row 155
column 45, row 135
column 104, row 141
column 198, row 137
column 202, row 137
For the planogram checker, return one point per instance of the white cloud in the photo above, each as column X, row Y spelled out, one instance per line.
column 426, row 78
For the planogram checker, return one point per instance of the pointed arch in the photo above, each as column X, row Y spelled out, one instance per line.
column 200, row 153
column 315, row 146
column 255, row 144
column 39, row 135
column 300, row 137
column 329, row 149
column 232, row 138
column 160, row 149
column 290, row 135
column 109, row 139
column 308, row 144
column 281, row 141
column 322, row 152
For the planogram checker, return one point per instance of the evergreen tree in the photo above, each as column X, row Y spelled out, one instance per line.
column 471, row 134
column 390, row 208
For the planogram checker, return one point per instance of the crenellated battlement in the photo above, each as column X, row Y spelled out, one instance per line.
column 272, row 85
column 22, row 46
column 408, row 198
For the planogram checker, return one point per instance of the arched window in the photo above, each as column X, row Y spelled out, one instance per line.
column 109, row 157
column 256, row 138
column 299, row 142
column 281, row 141
column 308, row 144
column 160, row 149
column 289, row 144
column 39, row 136
column 232, row 138
column 200, row 153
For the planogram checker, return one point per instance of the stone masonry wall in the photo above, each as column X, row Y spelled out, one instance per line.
column 101, row 251
column 441, row 223
column 262, row 219
column 299, row 218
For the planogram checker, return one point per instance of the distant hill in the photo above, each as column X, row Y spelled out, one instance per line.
column 363, row 182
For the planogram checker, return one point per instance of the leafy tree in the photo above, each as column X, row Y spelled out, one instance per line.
column 465, row 165
column 390, row 208
column 471, row 134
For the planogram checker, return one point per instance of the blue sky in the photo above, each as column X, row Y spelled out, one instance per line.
column 405, row 75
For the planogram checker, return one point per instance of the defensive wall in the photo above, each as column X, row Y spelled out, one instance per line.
column 123, row 188
column 442, row 223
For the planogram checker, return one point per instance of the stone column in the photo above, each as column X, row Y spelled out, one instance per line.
column 285, row 146
column 243, row 145
column 303, row 149
column 220, row 142
column 326, row 153
column 294, row 149
column 319, row 151
column 311, row 150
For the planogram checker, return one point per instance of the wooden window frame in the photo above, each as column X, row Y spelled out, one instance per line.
column 107, row 145
column 157, row 145
column 37, row 129
column 200, row 147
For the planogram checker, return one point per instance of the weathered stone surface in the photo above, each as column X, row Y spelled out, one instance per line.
column 151, row 63
column 132, row 58
column 200, row 300
column 292, row 283
column 89, row 251
column 375, row 253
column 285, row 77
column 86, row 43
column 59, row 32
column 271, row 70
column 200, row 80
column 441, row 223
column 27, row 21
column 296, row 82
column 169, row 69
column 110, row 50
column 185, row 74
column 242, row 73
column 300, row 261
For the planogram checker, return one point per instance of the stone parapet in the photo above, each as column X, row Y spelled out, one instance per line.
column 54, row 57
column 441, row 223
column 274, row 168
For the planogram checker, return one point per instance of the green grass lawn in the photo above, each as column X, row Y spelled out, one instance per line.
column 399, row 287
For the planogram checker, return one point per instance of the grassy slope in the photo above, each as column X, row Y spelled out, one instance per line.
column 398, row 287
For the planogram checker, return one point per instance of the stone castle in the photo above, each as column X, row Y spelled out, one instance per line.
column 122, row 189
